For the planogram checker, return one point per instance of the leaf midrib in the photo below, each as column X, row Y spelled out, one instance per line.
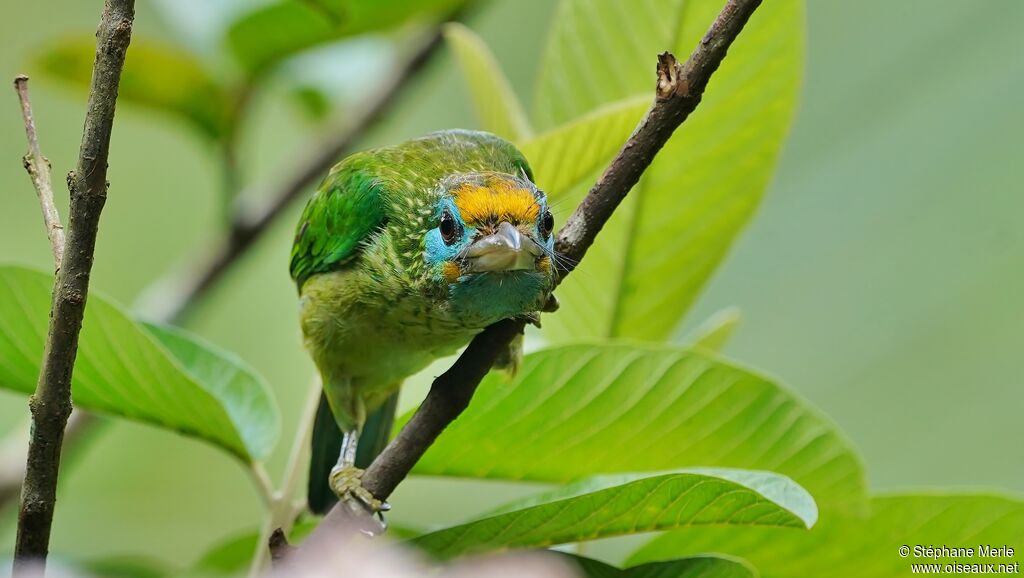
column 636, row 215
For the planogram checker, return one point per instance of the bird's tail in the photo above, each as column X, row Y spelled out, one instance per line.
column 326, row 444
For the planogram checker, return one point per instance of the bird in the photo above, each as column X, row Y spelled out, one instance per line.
column 400, row 257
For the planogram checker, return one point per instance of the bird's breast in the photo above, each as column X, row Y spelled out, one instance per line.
column 377, row 335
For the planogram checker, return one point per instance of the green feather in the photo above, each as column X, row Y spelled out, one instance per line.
column 366, row 189
column 340, row 215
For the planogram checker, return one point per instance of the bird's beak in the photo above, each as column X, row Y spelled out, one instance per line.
column 506, row 250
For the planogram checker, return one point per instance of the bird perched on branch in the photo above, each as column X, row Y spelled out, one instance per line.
column 402, row 255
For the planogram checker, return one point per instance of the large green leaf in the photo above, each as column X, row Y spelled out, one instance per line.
column 603, row 51
column 580, row 410
column 271, row 33
column 157, row 76
column 662, row 246
column 166, row 378
column 237, row 386
column 564, row 156
column 497, row 107
column 608, row 506
column 705, row 566
column 715, row 331
column 855, row 547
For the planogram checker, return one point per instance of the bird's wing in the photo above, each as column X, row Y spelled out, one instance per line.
column 339, row 217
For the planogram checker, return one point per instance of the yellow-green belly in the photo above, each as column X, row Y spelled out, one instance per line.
column 366, row 337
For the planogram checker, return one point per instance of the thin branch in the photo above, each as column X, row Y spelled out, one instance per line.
column 265, row 486
column 280, row 512
column 38, row 168
column 14, row 452
column 299, row 453
column 170, row 297
column 449, row 396
column 51, row 403
column 678, row 92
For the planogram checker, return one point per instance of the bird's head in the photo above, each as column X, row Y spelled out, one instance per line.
column 491, row 245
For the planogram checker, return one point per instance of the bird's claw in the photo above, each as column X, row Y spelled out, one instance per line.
column 532, row 318
column 347, row 484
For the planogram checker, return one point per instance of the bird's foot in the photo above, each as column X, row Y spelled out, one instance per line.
column 346, row 482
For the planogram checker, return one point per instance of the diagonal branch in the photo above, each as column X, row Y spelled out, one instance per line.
column 678, row 92
column 38, row 168
column 51, row 403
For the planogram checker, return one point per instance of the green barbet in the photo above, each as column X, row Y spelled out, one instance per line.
column 402, row 255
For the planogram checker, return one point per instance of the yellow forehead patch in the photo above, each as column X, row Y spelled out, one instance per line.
column 499, row 201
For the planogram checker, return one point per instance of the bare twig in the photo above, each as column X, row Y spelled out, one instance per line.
column 281, row 510
column 51, row 403
column 14, row 452
column 170, row 297
column 38, row 168
column 679, row 90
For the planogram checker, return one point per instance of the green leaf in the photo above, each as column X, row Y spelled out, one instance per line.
column 714, row 333
column 269, row 34
column 603, row 51
column 125, row 370
column 315, row 103
column 661, row 247
column 705, row 566
column 564, row 156
column 243, row 393
column 496, row 105
column 585, row 409
column 126, row 567
column 591, row 568
column 608, row 506
column 266, row 36
column 229, row 558
column 850, row 546
column 157, row 76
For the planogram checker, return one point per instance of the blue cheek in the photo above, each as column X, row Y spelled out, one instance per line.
column 436, row 249
column 437, row 252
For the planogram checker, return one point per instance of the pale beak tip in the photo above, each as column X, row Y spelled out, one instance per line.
column 502, row 251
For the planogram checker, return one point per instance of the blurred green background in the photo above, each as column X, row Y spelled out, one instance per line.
column 882, row 277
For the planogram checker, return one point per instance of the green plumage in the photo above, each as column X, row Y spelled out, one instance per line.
column 373, row 310
column 390, row 184
column 343, row 213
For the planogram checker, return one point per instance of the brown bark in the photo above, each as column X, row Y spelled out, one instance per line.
column 51, row 403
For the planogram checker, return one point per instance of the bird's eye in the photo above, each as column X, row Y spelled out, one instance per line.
column 547, row 224
column 448, row 227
